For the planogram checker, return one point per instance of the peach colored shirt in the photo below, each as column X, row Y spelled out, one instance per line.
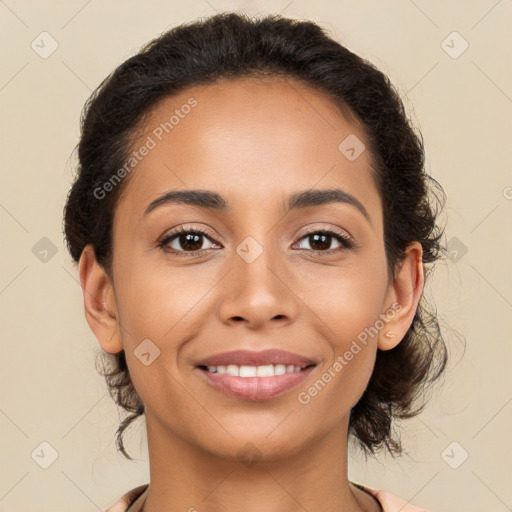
column 132, row 501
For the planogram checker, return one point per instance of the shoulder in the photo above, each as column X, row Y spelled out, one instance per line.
column 391, row 502
column 127, row 499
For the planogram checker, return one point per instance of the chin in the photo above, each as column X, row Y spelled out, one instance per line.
column 256, row 446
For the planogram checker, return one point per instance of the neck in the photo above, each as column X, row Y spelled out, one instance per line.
column 182, row 477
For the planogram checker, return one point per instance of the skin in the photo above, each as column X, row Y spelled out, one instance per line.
column 254, row 142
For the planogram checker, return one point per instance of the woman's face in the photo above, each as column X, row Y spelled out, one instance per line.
column 259, row 279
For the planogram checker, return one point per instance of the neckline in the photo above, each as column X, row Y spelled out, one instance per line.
column 367, row 491
column 139, row 500
column 135, row 506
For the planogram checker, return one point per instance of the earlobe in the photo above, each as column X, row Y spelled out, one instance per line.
column 99, row 302
column 403, row 297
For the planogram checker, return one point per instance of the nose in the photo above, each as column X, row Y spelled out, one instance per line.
column 259, row 292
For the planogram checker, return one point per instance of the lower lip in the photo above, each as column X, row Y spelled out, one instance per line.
column 255, row 388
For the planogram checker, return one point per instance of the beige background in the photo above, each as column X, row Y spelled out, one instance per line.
column 49, row 389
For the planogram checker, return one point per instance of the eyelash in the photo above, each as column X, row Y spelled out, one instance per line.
column 346, row 242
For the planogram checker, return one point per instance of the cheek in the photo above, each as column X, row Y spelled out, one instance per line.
column 158, row 301
column 159, row 309
column 349, row 299
column 351, row 306
column 355, row 316
column 343, row 378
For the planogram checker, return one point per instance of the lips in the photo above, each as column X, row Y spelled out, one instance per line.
column 277, row 371
column 250, row 358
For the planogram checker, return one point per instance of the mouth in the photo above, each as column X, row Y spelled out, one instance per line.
column 255, row 375
column 244, row 371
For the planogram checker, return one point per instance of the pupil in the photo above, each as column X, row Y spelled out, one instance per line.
column 322, row 244
column 185, row 241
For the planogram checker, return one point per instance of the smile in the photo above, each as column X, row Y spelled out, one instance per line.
column 242, row 384
column 250, row 375
column 268, row 370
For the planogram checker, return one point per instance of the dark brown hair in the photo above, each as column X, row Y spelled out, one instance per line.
column 231, row 45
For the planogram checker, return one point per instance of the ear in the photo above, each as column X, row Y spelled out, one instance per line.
column 403, row 298
column 99, row 302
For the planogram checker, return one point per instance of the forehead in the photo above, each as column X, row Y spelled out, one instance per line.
column 249, row 139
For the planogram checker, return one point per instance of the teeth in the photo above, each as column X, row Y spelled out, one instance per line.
column 268, row 370
column 262, row 371
column 248, row 371
column 279, row 369
column 232, row 369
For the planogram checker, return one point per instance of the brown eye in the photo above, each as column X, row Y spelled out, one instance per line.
column 185, row 242
column 320, row 241
column 190, row 241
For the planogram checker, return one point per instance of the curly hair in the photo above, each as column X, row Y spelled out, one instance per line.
column 231, row 45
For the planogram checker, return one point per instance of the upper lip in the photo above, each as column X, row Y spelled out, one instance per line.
column 251, row 358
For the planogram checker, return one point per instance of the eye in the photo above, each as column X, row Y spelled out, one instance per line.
column 185, row 242
column 189, row 242
column 319, row 241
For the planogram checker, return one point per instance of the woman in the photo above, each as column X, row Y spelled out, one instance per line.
column 252, row 224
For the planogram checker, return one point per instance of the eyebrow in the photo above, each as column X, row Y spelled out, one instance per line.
column 298, row 200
